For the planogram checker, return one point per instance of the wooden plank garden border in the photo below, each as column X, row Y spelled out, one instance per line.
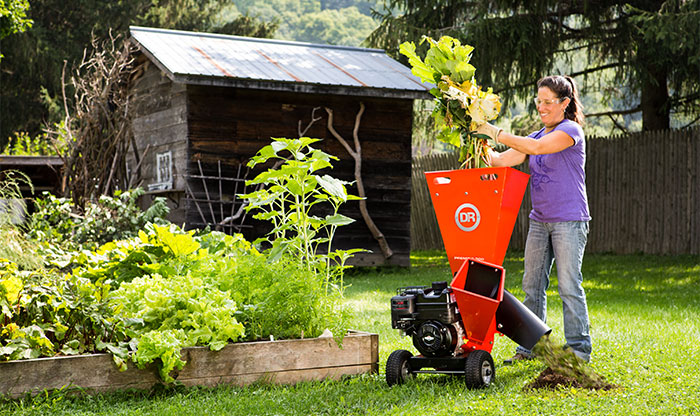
column 281, row 362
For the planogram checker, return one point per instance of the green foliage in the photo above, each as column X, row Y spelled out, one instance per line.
column 333, row 22
column 192, row 15
column 334, row 27
column 13, row 17
column 24, row 145
column 15, row 247
column 44, row 314
column 11, row 184
column 281, row 300
column 642, row 44
column 171, row 313
column 147, row 297
column 58, row 220
column 460, row 104
column 245, row 25
column 157, row 289
column 292, row 192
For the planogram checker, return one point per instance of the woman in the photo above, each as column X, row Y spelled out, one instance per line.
column 559, row 217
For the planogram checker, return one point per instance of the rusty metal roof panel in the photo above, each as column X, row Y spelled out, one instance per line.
column 214, row 59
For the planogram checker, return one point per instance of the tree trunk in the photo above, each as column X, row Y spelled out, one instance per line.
column 655, row 100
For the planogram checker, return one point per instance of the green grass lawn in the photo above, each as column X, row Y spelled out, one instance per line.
column 645, row 318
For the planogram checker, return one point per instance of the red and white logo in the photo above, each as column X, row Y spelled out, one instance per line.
column 467, row 217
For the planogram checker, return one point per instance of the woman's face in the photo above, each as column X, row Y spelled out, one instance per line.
column 550, row 107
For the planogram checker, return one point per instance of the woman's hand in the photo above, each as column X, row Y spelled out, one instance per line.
column 489, row 130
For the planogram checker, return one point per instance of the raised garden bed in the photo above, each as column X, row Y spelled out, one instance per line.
column 283, row 362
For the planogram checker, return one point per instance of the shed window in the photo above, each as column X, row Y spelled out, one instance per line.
column 164, row 172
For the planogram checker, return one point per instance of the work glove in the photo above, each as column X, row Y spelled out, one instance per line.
column 489, row 130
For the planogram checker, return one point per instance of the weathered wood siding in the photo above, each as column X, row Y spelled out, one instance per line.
column 643, row 193
column 228, row 126
column 159, row 122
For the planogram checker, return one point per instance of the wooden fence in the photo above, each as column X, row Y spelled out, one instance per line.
column 643, row 192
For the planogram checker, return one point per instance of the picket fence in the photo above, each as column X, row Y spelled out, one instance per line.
column 643, row 192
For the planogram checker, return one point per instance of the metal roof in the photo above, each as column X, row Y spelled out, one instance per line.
column 224, row 60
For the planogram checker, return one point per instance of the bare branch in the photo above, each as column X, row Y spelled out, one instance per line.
column 618, row 125
column 336, row 135
column 615, row 112
column 355, row 130
column 691, row 123
column 314, row 119
column 98, row 127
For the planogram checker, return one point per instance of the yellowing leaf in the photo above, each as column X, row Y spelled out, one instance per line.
column 11, row 285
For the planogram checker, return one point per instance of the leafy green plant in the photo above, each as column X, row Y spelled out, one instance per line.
column 168, row 314
column 280, row 299
column 45, row 314
column 460, row 104
column 59, row 220
column 289, row 199
column 211, row 288
column 165, row 250
column 22, row 144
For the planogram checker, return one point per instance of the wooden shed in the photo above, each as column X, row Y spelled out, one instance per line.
column 203, row 104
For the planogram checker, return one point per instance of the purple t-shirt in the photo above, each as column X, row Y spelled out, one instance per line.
column 558, row 180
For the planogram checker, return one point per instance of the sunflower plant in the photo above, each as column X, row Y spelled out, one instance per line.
column 461, row 105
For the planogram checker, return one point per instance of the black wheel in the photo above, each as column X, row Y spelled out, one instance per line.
column 479, row 370
column 397, row 370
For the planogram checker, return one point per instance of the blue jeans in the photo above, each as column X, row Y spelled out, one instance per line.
column 564, row 242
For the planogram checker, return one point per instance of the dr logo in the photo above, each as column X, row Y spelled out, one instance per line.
column 467, row 217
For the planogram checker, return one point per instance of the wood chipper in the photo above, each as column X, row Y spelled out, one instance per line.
column 453, row 326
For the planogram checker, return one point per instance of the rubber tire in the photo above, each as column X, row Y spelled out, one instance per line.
column 397, row 371
column 479, row 371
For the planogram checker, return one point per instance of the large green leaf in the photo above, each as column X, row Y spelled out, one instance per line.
column 339, row 219
column 278, row 145
column 423, row 71
column 461, row 71
column 333, row 186
column 179, row 244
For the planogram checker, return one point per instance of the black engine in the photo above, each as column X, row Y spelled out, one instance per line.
column 429, row 316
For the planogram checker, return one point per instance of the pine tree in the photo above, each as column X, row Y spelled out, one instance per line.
column 651, row 47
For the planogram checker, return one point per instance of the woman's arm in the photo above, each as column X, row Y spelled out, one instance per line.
column 552, row 142
column 510, row 157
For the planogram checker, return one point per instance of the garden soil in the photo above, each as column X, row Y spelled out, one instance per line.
column 550, row 379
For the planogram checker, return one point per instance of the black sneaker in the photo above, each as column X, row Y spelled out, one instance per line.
column 519, row 356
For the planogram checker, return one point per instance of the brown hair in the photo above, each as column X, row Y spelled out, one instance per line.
column 565, row 87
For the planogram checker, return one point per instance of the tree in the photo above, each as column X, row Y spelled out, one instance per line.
column 335, row 27
column 62, row 31
column 649, row 46
column 245, row 25
column 13, row 17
